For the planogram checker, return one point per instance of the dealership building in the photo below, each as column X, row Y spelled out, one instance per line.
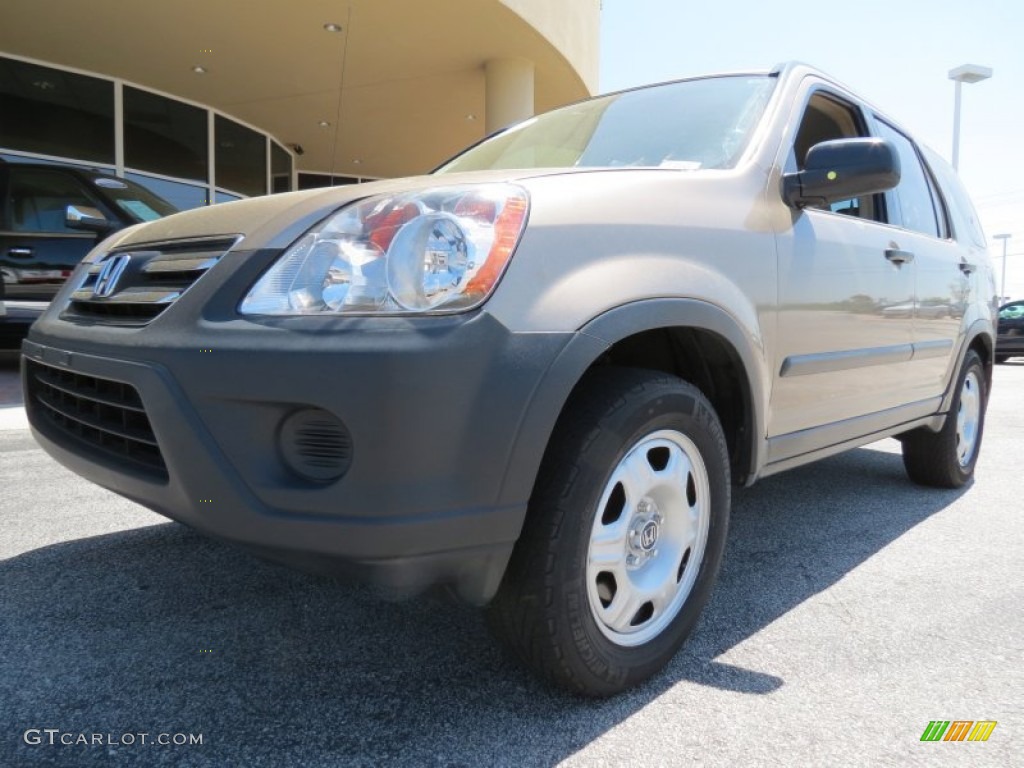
column 213, row 100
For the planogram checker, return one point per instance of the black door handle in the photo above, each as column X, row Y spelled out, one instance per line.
column 19, row 252
column 967, row 268
column 898, row 257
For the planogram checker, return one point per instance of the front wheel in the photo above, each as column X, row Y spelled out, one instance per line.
column 623, row 537
column 946, row 459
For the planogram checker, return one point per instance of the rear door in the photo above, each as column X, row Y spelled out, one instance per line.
column 944, row 268
column 37, row 250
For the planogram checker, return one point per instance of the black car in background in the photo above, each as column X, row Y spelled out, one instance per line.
column 1010, row 334
column 53, row 215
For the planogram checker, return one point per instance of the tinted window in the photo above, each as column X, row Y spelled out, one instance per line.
column 687, row 125
column 181, row 196
column 134, row 199
column 164, row 136
column 963, row 216
column 37, row 200
column 56, row 113
column 317, row 180
column 280, row 169
column 1014, row 311
column 241, row 158
column 913, row 192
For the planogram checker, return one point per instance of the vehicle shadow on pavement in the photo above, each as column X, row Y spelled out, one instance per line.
column 160, row 629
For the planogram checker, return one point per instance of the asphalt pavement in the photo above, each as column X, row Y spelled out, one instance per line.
column 853, row 608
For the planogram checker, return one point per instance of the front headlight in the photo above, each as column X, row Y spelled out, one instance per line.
column 435, row 251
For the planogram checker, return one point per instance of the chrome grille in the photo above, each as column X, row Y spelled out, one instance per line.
column 104, row 416
column 131, row 286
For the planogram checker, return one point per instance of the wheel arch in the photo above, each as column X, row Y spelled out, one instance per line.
column 696, row 340
column 979, row 339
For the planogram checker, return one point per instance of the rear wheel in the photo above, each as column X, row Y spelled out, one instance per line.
column 624, row 534
column 946, row 459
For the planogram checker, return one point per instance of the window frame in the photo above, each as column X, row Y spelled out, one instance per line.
column 863, row 120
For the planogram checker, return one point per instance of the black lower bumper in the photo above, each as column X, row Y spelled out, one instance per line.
column 432, row 411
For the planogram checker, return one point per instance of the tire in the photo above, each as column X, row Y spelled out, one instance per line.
column 946, row 459
column 623, row 536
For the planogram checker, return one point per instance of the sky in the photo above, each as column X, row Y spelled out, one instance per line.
column 894, row 53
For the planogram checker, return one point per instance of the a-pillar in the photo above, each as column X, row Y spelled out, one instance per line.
column 509, row 92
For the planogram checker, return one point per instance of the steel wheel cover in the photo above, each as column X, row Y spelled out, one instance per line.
column 968, row 419
column 648, row 538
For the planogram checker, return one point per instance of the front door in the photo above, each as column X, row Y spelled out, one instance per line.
column 846, row 303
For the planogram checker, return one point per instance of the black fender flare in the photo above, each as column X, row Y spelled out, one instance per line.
column 979, row 329
column 592, row 340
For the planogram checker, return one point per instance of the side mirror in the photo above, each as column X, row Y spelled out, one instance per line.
column 841, row 169
column 87, row 218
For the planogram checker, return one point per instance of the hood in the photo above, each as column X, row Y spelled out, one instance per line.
column 276, row 221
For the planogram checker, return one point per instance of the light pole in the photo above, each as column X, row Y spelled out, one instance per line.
column 966, row 73
column 1002, row 286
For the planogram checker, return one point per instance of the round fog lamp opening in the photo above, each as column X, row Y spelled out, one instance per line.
column 428, row 261
column 315, row 445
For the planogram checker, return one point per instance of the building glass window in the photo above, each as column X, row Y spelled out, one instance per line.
column 53, row 112
column 241, row 158
column 318, row 180
column 49, row 115
column 164, row 136
column 280, row 169
column 15, row 159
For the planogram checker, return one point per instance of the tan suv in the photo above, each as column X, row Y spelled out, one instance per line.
column 535, row 374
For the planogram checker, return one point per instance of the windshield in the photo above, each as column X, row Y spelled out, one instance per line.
column 134, row 199
column 688, row 125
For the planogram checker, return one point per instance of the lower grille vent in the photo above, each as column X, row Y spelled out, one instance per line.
column 102, row 415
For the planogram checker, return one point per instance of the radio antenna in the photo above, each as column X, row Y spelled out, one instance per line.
column 341, row 90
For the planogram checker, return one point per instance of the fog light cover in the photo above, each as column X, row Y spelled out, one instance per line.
column 315, row 445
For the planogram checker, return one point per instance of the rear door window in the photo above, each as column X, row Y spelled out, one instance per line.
column 915, row 193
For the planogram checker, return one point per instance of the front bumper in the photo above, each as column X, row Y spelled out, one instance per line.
column 433, row 407
column 1010, row 345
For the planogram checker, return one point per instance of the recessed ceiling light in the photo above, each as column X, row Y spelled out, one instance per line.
column 332, row 27
column 471, row 117
column 324, row 124
column 357, row 161
column 199, row 70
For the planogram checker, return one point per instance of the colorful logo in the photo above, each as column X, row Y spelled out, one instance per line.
column 959, row 730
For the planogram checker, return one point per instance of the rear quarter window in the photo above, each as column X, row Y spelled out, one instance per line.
column 964, row 218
